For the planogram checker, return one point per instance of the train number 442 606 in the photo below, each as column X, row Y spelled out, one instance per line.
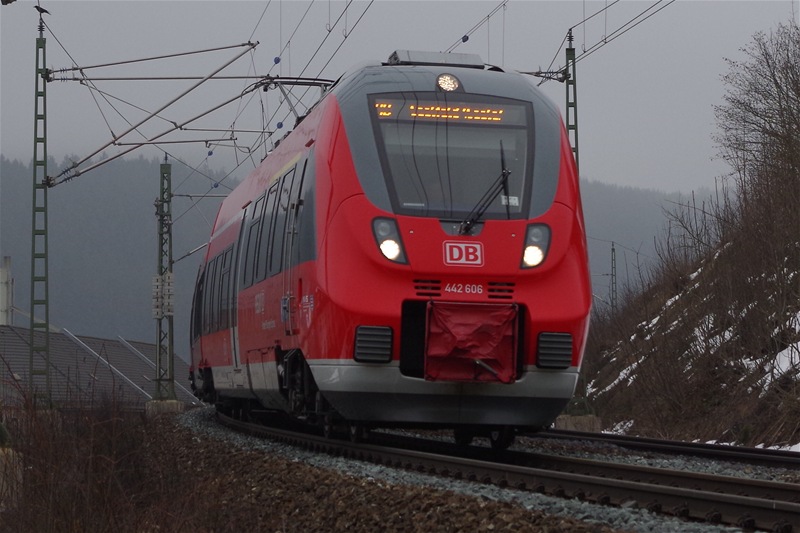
column 464, row 288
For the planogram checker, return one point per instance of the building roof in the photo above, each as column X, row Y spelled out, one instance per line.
column 84, row 371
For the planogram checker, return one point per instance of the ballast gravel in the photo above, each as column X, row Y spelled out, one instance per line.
column 252, row 484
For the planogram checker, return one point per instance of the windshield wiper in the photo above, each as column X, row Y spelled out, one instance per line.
column 499, row 185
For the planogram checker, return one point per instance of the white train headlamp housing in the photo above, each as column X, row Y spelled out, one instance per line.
column 537, row 241
column 388, row 239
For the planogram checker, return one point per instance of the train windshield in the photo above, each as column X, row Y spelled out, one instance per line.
column 443, row 153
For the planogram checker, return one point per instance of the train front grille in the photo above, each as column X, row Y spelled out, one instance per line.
column 373, row 344
column 429, row 288
column 555, row 351
column 498, row 290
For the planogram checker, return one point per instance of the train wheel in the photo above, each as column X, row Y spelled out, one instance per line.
column 463, row 437
column 501, row 438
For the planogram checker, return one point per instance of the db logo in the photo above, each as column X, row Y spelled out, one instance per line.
column 463, row 253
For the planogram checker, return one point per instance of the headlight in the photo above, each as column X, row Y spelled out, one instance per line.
column 390, row 249
column 537, row 241
column 388, row 239
column 533, row 256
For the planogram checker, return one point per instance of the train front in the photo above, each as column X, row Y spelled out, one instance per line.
column 455, row 289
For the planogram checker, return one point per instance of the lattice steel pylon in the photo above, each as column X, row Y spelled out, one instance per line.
column 39, row 362
column 163, row 291
column 572, row 98
column 567, row 76
column 613, row 279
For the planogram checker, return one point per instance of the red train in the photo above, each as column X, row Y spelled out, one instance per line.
column 412, row 254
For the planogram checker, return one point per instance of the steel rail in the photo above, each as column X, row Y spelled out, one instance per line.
column 689, row 503
column 756, row 488
column 759, row 456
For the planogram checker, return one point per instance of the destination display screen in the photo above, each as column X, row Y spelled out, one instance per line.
column 433, row 111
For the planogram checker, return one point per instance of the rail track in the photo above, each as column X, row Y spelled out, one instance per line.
column 752, row 456
column 746, row 503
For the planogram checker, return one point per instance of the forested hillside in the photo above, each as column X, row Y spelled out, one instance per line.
column 710, row 349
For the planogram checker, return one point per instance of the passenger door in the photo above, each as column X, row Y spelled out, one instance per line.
column 288, row 208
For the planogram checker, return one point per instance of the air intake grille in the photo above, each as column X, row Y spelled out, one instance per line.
column 501, row 291
column 373, row 344
column 428, row 287
column 555, row 350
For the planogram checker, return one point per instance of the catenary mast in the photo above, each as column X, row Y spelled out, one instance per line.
column 39, row 341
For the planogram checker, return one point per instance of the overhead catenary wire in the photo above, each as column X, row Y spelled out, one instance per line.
column 623, row 29
column 617, row 243
column 626, row 27
column 241, row 107
column 71, row 171
column 262, row 141
column 581, row 23
column 116, row 139
column 319, row 47
column 299, row 81
column 132, row 127
column 343, row 40
column 146, row 59
column 476, row 27
column 94, row 91
column 90, row 84
column 325, row 38
column 107, row 97
column 258, row 23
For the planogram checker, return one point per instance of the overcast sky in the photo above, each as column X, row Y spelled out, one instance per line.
column 645, row 100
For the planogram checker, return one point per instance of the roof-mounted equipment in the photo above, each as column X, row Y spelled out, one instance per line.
column 410, row 57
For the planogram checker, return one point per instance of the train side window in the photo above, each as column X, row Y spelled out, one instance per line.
column 295, row 216
column 281, row 216
column 214, row 294
column 251, row 244
column 266, row 230
column 225, row 291
column 197, row 308
column 207, row 301
column 305, row 247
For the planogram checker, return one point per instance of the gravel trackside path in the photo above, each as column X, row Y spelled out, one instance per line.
column 257, row 490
